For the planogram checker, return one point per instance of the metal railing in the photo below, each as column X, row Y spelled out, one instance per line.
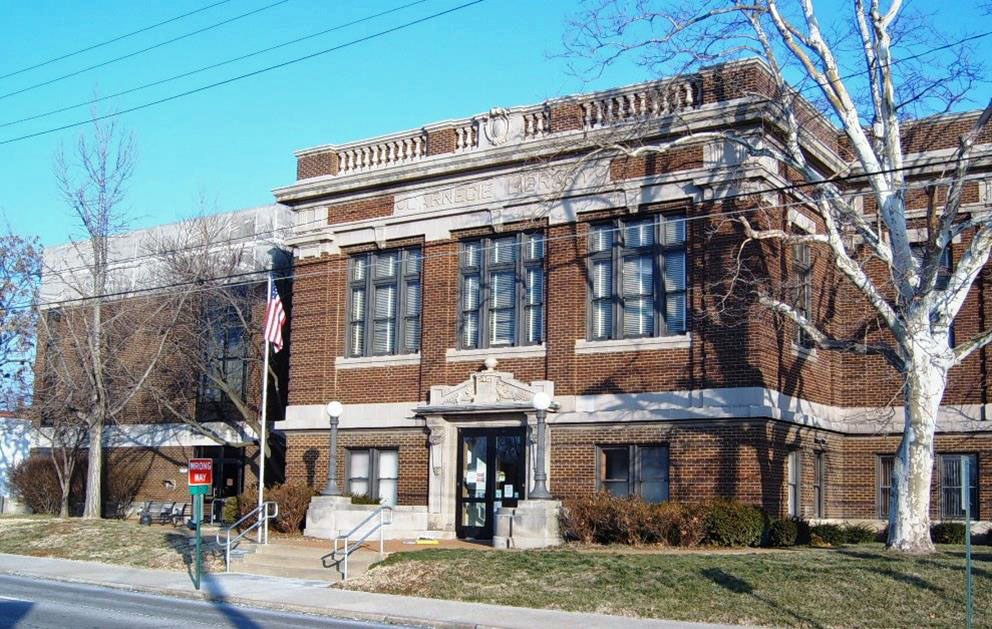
column 265, row 512
column 350, row 547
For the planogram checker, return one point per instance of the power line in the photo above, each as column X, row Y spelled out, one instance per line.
column 112, row 40
column 164, row 289
column 143, row 50
column 210, row 67
column 244, row 76
column 785, row 188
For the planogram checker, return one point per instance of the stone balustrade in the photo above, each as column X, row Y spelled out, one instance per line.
column 501, row 127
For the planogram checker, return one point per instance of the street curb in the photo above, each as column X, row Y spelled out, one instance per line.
column 344, row 614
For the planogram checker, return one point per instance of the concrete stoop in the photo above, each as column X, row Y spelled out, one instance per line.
column 281, row 559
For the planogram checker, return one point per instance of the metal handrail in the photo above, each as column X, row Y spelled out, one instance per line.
column 263, row 521
column 350, row 548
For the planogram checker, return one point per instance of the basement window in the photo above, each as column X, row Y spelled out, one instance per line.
column 374, row 472
column 634, row 470
column 951, row 481
column 883, row 482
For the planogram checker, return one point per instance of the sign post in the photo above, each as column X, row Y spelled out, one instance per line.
column 201, row 479
column 966, row 500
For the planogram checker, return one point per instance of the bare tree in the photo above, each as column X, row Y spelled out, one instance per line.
column 61, row 431
column 20, row 274
column 211, row 378
column 848, row 70
column 104, row 338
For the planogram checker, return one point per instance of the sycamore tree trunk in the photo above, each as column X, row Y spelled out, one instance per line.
column 909, row 507
column 94, row 465
column 64, row 507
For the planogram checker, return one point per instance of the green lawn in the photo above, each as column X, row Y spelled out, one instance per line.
column 858, row 586
column 107, row 541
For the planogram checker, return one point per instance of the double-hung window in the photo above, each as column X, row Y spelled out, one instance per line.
column 634, row 470
column 502, row 291
column 802, row 271
column 794, row 483
column 637, row 277
column 384, row 303
column 226, row 361
column 373, row 472
column 951, row 483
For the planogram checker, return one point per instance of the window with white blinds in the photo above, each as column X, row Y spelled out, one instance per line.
column 637, row 277
column 384, row 303
column 502, row 291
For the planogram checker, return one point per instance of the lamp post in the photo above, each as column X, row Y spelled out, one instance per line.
column 334, row 410
column 541, row 403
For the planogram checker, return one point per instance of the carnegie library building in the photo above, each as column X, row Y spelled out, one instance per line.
column 504, row 304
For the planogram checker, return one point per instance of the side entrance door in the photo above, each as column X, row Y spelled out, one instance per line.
column 492, row 473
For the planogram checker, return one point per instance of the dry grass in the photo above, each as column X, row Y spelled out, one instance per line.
column 107, row 541
column 858, row 586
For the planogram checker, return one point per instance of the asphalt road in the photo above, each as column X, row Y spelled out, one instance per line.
column 26, row 602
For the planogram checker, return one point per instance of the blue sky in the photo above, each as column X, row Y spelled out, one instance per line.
column 235, row 143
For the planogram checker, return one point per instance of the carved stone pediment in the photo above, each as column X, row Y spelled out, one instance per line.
column 487, row 388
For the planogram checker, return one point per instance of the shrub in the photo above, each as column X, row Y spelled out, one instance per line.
column 802, row 530
column 35, row 483
column 860, row 534
column 122, row 479
column 783, row 533
column 732, row 523
column 362, row 499
column 947, row 533
column 232, row 510
column 827, row 535
column 293, row 500
column 606, row 519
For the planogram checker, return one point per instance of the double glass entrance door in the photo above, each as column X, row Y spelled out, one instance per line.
column 492, row 473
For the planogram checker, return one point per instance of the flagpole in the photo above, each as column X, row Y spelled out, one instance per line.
column 265, row 407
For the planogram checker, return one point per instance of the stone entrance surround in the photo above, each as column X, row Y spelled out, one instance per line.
column 488, row 399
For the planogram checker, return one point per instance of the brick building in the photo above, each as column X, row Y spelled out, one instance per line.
column 445, row 275
column 187, row 407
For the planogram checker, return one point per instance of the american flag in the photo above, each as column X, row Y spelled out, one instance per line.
column 275, row 318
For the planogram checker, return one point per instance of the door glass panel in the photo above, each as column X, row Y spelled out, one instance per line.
column 510, row 471
column 474, row 514
column 474, row 468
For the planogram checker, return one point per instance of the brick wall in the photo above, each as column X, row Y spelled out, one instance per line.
column 359, row 210
column 747, row 460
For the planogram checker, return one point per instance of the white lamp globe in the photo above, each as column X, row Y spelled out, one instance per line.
column 541, row 401
column 334, row 409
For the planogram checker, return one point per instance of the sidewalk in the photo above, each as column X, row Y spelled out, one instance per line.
column 317, row 598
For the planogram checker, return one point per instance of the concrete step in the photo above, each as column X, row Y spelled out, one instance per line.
column 315, row 574
column 301, row 568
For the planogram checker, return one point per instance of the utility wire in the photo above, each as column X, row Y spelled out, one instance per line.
column 785, row 188
column 259, row 274
column 210, row 67
column 112, row 40
column 142, row 51
column 244, row 76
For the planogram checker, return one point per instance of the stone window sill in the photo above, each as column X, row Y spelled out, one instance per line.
column 362, row 362
column 583, row 346
column 806, row 353
column 499, row 353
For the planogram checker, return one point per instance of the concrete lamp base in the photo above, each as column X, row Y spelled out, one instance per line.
column 531, row 524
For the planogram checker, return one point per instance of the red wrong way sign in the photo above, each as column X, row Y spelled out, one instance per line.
column 201, row 472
